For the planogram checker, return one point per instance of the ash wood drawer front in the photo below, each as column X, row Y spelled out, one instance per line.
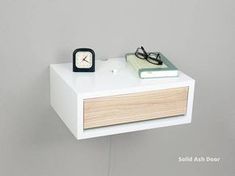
column 112, row 110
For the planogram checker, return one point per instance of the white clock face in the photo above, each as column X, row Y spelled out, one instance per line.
column 83, row 59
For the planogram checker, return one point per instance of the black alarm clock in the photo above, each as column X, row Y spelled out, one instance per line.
column 83, row 60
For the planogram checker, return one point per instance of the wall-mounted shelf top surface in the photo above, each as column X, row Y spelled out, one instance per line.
column 114, row 100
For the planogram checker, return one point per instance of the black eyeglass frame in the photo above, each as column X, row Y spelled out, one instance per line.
column 153, row 58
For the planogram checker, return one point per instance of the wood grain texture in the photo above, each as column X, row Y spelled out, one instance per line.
column 111, row 110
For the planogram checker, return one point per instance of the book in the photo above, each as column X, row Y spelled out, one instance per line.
column 148, row 70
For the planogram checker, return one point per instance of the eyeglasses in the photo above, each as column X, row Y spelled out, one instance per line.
column 153, row 58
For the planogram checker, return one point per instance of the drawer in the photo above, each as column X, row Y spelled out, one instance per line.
column 133, row 107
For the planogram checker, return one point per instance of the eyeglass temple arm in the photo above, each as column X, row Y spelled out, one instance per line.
column 144, row 50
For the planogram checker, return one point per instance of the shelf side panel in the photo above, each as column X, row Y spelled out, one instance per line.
column 63, row 100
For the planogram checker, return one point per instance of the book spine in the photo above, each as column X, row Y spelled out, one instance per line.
column 139, row 73
column 135, row 67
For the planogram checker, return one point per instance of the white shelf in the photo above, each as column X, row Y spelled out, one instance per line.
column 69, row 90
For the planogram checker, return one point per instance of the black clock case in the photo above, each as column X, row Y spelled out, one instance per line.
column 92, row 68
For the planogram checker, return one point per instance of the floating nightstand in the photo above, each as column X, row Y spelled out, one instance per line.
column 109, row 102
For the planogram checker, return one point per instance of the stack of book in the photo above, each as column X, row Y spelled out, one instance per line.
column 148, row 70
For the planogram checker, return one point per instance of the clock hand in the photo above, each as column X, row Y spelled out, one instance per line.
column 84, row 58
column 86, row 61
